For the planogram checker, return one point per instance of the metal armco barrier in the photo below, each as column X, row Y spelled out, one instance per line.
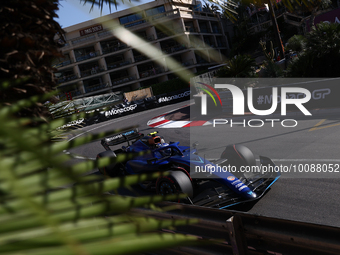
column 235, row 233
column 119, row 110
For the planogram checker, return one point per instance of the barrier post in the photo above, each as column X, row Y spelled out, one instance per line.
column 236, row 235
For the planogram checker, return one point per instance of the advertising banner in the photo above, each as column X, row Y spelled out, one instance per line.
column 174, row 96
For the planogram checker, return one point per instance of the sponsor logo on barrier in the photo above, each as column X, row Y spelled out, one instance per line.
column 72, row 123
column 120, row 110
column 174, row 97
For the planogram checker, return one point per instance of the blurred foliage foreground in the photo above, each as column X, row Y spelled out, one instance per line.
column 50, row 207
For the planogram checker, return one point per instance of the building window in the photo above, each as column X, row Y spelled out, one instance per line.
column 131, row 18
column 155, row 11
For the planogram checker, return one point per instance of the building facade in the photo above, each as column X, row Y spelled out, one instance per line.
column 96, row 61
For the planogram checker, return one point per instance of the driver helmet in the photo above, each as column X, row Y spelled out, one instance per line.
column 154, row 140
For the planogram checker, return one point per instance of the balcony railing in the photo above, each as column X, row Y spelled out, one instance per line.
column 172, row 32
column 216, row 31
column 198, row 44
column 82, row 39
column 66, row 78
column 91, row 71
column 104, row 33
column 202, row 61
column 151, row 72
column 117, row 47
column 189, row 62
column 118, row 64
column 140, row 58
column 165, row 14
column 205, row 30
column 92, row 54
column 161, row 35
column 96, row 87
column 135, row 23
column 212, row 45
column 191, row 29
column 63, row 63
column 148, row 38
column 173, row 49
column 221, row 44
column 123, row 79
column 209, row 15
column 155, row 17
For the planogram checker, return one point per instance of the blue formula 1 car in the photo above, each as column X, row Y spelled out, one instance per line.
column 210, row 188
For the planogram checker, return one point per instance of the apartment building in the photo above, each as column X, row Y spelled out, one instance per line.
column 97, row 61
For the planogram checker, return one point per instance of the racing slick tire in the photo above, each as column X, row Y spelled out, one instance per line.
column 238, row 155
column 175, row 183
column 112, row 170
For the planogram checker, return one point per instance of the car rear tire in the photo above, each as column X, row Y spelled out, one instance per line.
column 175, row 183
column 112, row 170
column 238, row 156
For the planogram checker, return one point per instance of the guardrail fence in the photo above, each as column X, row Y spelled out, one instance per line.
column 232, row 232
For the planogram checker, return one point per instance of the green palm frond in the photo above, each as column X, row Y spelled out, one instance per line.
column 101, row 3
column 49, row 206
column 241, row 66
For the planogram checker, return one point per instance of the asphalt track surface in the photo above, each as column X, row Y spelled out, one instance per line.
column 303, row 197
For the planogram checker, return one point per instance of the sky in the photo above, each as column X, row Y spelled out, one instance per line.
column 72, row 12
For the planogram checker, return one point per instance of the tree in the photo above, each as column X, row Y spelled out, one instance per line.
column 297, row 43
column 38, row 214
column 230, row 12
column 27, row 47
column 321, row 55
column 241, row 66
column 42, row 214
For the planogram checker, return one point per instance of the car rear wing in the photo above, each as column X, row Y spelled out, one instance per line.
column 125, row 136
